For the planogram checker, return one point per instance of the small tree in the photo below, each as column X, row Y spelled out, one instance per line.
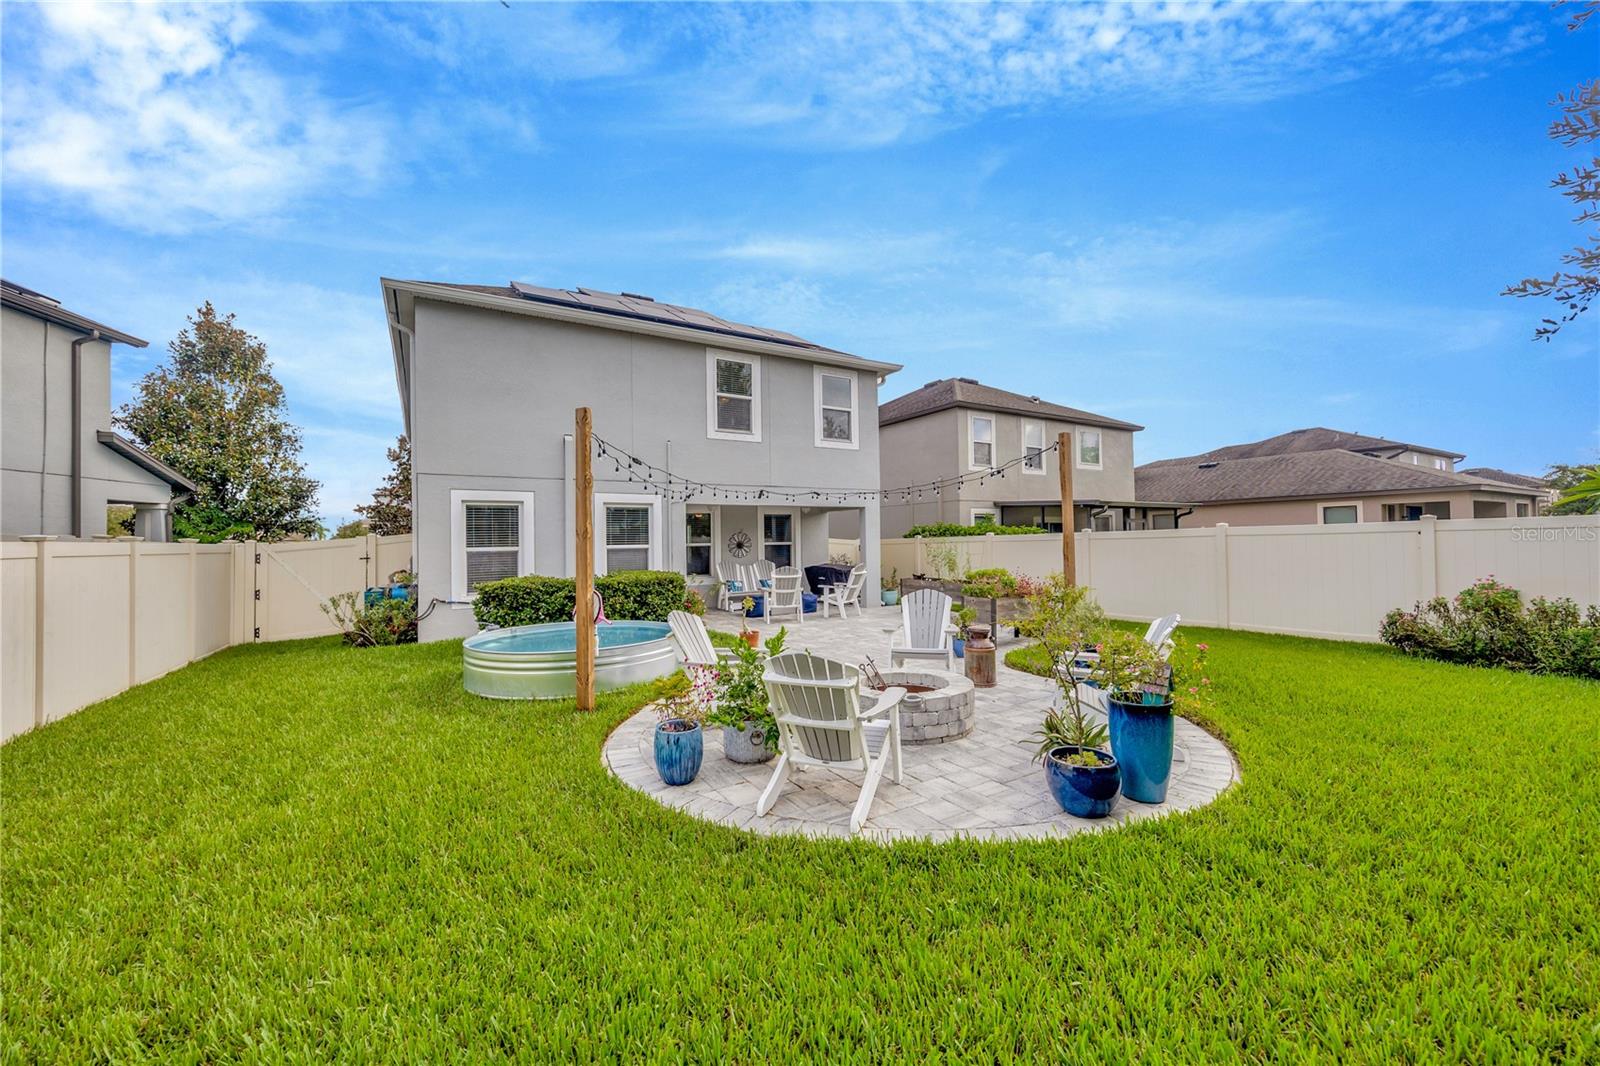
column 216, row 414
column 1579, row 487
column 356, row 527
column 1575, row 288
column 390, row 510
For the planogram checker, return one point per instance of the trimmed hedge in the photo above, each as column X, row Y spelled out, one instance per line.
column 631, row 596
column 951, row 529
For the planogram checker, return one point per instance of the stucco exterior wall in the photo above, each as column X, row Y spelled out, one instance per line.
column 36, row 432
column 493, row 406
column 1462, row 504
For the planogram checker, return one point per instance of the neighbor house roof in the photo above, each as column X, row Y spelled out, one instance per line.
column 946, row 393
column 1317, row 439
column 141, row 458
column 1506, row 477
column 1335, row 472
column 48, row 308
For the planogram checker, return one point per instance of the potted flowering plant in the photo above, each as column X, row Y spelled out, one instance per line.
column 1080, row 771
column 748, row 635
column 1138, row 688
column 891, row 588
column 749, row 732
column 679, row 739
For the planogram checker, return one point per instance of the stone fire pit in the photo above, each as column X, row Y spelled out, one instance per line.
column 938, row 707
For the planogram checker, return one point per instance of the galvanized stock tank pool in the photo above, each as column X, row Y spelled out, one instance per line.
column 541, row 662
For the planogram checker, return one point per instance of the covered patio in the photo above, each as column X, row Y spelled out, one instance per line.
column 983, row 785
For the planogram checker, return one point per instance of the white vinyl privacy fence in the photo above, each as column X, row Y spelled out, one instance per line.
column 84, row 620
column 1318, row 581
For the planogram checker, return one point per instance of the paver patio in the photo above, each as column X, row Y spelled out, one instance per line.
column 984, row 786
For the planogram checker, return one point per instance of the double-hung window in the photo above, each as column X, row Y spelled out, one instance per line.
column 491, row 537
column 777, row 539
column 1338, row 514
column 733, row 386
column 836, row 408
column 1089, row 449
column 697, row 543
column 627, row 533
column 1033, row 447
column 981, row 429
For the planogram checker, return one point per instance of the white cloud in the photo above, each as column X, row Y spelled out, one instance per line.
column 156, row 117
column 871, row 74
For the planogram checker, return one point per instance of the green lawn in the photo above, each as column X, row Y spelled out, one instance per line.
column 300, row 851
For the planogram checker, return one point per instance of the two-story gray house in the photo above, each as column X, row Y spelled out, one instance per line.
column 489, row 379
column 61, row 463
column 957, row 426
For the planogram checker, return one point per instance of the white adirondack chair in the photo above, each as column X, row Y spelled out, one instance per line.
column 817, row 703
column 1159, row 635
column 924, row 629
column 846, row 595
column 761, row 570
column 726, row 600
column 701, row 658
column 784, row 598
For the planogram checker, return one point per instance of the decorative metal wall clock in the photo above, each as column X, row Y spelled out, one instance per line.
column 739, row 544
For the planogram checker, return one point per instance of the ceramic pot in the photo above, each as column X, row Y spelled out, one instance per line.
column 1141, row 739
column 679, row 751
column 1083, row 791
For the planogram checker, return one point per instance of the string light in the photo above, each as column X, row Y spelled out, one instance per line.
column 677, row 488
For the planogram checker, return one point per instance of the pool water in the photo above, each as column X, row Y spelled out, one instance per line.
column 563, row 636
column 540, row 662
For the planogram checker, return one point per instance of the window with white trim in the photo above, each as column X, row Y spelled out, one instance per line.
column 1089, row 449
column 1441, row 464
column 1339, row 514
column 491, row 537
column 777, row 539
column 733, row 385
column 627, row 537
column 981, row 428
column 697, row 543
column 836, row 408
column 1033, row 447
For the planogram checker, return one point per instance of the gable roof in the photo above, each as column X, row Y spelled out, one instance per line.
column 1315, row 439
column 48, row 308
column 1331, row 472
column 1506, row 477
column 141, row 458
column 946, row 393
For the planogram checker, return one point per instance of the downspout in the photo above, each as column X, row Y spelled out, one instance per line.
column 77, row 430
column 406, row 404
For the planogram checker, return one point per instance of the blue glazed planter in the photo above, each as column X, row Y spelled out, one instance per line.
column 891, row 597
column 1083, row 791
column 678, row 754
column 1141, row 739
column 960, row 646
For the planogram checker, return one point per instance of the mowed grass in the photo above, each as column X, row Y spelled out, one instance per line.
column 300, row 851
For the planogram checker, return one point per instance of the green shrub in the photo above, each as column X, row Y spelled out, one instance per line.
column 1486, row 625
column 388, row 621
column 993, row 582
column 632, row 596
column 951, row 529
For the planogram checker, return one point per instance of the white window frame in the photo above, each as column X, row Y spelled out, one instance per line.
column 1440, row 463
column 1043, row 455
column 1323, row 505
column 716, row 540
column 794, row 533
column 818, row 373
column 459, row 498
column 973, row 442
column 992, row 512
column 1077, row 449
column 628, row 499
column 713, row 432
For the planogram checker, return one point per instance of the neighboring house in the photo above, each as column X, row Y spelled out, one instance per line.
column 1548, row 495
column 958, row 426
column 1324, row 476
column 490, row 376
column 61, row 464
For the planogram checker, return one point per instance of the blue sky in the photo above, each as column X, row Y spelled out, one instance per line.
column 1221, row 222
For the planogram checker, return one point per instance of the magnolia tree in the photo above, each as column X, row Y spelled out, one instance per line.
column 390, row 510
column 216, row 414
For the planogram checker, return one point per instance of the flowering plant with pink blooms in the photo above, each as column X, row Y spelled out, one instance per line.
column 1191, row 677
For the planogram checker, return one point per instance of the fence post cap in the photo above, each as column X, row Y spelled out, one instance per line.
column 130, row 538
column 35, row 538
column 188, row 540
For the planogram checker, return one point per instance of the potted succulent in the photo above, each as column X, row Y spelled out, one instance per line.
column 749, row 732
column 680, row 740
column 748, row 635
column 891, row 588
column 1082, row 775
column 1138, row 688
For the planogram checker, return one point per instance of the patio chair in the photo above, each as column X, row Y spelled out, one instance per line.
column 784, row 595
column 817, row 703
column 701, row 658
column 726, row 597
column 925, row 629
column 761, row 572
column 1158, row 636
column 846, row 595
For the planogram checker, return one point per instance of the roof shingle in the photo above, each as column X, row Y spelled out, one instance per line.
column 1330, row 472
column 946, row 393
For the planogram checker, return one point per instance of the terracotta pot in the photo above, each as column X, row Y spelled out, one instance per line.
column 751, row 637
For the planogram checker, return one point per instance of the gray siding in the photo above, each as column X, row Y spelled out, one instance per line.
column 36, row 432
column 492, row 408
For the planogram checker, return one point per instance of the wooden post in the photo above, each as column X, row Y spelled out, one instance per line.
column 584, row 491
column 1069, row 543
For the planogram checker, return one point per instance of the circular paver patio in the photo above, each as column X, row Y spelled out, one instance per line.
column 984, row 786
